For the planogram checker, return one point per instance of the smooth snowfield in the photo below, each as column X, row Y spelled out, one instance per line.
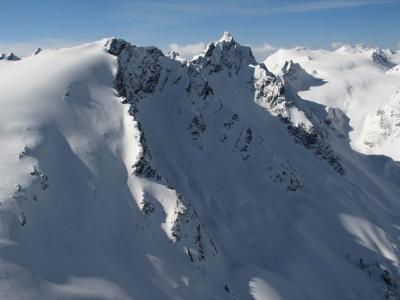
column 227, row 205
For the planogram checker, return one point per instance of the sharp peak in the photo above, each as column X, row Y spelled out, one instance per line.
column 226, row 51
column 37, row 51
column 226, row 37
column 225, row 40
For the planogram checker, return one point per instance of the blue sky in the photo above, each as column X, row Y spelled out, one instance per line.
column 187, row 25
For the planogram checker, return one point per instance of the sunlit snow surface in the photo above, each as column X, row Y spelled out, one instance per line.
column 363, row 87
column 240, row 210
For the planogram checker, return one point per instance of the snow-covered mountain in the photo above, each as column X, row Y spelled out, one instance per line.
column 128, row 174
column 363, row 82
column 10, row 56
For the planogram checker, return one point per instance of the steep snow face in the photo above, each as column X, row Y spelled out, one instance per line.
column 128, row 174
column 73, row 216
column 63, row 191
column 46, row 100
column 355, row 79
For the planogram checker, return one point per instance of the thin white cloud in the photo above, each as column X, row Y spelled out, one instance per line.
column 336, row 45
column 257, row 8
column 26, row 48
column 320, row 6
column 261, row 52
column 187, row 51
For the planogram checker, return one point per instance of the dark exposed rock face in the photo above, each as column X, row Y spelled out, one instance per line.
column 225, row 54
column 139, row 74
column 139, row 69
column 269, row 91
column 379, row 57
column 297, row 79
column 37, row 51
column 10, row 57
column 281, row 99
column 143, row 71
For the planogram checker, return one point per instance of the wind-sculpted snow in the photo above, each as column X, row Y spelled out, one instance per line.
column 128, row 174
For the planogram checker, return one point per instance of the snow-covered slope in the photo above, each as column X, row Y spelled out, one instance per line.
column 360, row 81
column 127, row 174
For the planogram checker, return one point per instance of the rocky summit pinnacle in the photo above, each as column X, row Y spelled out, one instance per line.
column 37, row 51
column 227, row 54
column 226, row 37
